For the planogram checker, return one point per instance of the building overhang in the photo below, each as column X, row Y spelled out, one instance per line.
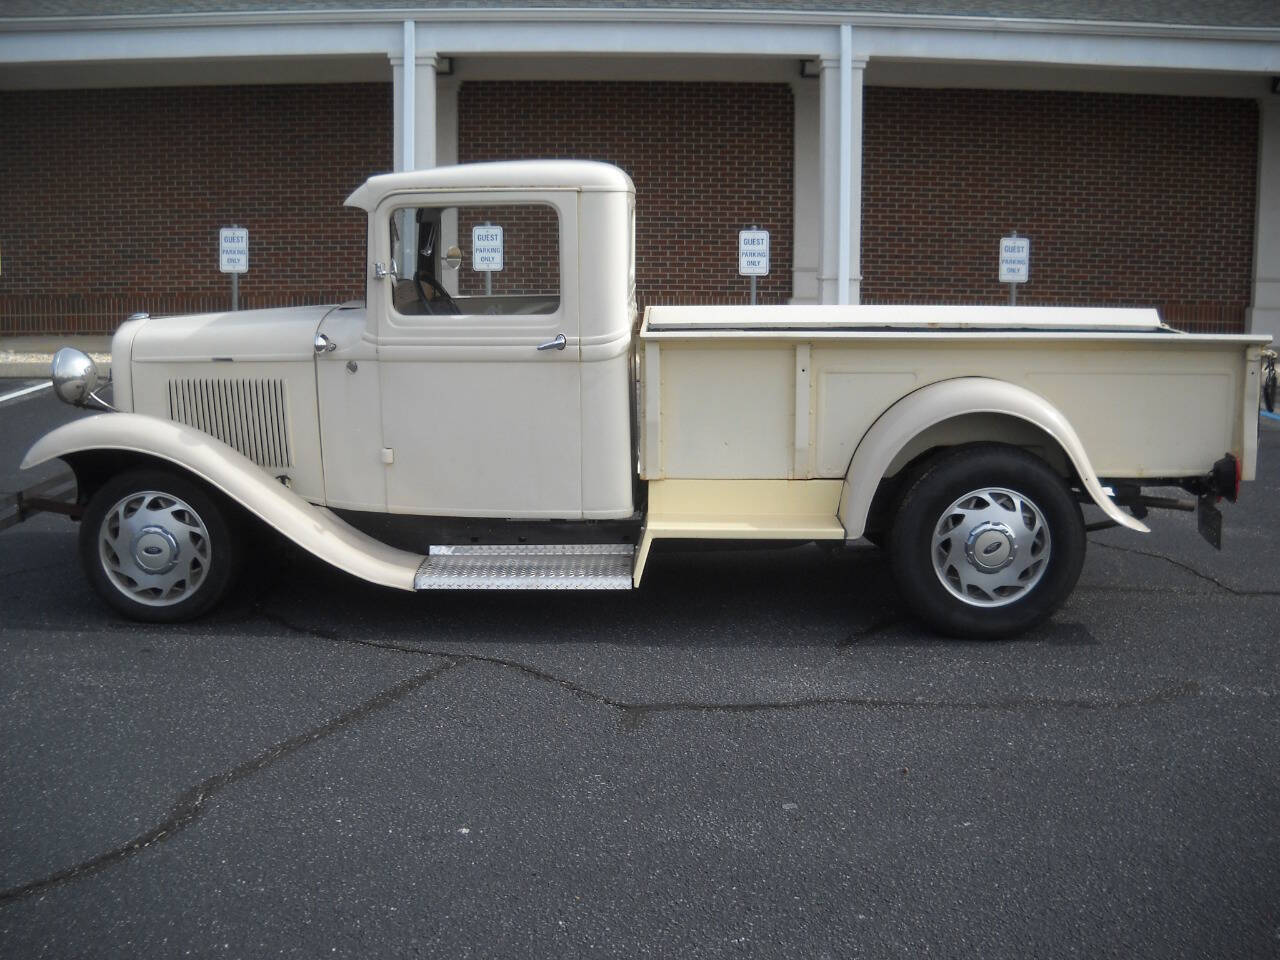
column 302, row 45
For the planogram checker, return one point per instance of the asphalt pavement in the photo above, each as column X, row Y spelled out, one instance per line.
column 757, row 754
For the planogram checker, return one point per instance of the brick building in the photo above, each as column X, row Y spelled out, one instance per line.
column 886, row 145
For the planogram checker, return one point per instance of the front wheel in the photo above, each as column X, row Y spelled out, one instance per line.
column 1269, row 391
column 157, row 546
column 987, row 542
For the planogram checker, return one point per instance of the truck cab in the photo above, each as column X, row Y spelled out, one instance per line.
column 494, row 349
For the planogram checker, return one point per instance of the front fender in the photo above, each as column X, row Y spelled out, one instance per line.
column 313, row 528
column 937, row 402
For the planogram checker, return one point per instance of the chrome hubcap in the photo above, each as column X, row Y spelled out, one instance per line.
column 990, row 547
column 154, row 548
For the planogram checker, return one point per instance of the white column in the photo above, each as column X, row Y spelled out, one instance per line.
column 426, row 111
column 413, row 81
column 1264, row 315
column 397, row 113
column 403, row 139
column 447, row 155
column 841, row 115
column 807, row 192
column 417, row 116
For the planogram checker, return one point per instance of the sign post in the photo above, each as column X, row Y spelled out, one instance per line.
column 233, row 257
column 1015, row 263
column 753, row 256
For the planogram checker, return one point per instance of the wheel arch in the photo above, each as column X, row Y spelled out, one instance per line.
column 964, row 429
column 954, row 412
column 96, row 446
column 93, row 467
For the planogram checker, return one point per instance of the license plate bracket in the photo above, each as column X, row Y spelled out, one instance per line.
column 1209, row 520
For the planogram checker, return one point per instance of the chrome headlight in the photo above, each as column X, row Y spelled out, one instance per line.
column 75, row 376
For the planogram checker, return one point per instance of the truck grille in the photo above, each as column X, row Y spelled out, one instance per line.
column 248, row 415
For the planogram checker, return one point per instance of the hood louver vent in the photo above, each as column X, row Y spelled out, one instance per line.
column 249, row 415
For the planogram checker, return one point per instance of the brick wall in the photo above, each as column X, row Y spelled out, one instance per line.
column 530, row 254
column 113, row 199
column 1128, row 200
column 707, row 159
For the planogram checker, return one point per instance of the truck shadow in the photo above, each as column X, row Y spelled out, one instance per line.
column 731, row 596
column 801, row 596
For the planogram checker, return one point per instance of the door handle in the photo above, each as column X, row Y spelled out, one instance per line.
column 557, row 344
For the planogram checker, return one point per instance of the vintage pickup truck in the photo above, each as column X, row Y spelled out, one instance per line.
column 496, row 415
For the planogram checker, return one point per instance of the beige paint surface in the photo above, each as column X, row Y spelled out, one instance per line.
column 1143, row 405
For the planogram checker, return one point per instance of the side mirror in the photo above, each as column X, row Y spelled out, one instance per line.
column 453, row 258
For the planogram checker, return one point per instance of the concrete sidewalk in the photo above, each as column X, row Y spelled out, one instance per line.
column 30, row 358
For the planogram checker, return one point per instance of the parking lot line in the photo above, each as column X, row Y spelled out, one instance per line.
column 24, row 391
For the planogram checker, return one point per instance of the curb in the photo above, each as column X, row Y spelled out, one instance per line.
column 23, row 370
column 27, row 368
column 31, row 357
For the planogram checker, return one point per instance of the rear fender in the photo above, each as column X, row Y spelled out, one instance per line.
column 311, row 527
column 933, row 404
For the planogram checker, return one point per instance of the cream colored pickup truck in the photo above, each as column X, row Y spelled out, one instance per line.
column 496, row 415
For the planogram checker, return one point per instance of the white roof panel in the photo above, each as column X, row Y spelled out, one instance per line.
column 509, row 174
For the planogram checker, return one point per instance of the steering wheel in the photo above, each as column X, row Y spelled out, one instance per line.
column 421, row 283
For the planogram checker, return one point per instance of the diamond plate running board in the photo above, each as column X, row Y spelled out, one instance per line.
column 593, row 566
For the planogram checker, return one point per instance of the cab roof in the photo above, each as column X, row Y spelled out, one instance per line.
column 510, row 175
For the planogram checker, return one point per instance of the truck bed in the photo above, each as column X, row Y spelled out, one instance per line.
column 753, row 393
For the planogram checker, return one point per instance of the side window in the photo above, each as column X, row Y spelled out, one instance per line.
column 493, row 260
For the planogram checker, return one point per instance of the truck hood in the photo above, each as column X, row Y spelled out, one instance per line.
column 275, row 334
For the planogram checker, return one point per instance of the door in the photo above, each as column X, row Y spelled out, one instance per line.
column 478, row 349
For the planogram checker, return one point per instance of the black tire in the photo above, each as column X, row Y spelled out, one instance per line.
column 158, row 546
column 1269, row 391
column 886, row 511
column 988, row 542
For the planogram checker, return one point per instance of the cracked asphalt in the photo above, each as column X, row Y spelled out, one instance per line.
column 758, row 754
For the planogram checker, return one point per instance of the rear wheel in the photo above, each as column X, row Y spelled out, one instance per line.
column 157, row 546
column 987, row 542
column 1269, row 391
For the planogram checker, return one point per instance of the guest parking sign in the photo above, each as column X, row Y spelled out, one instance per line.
column 233, row 250
column 1015, row 259
column 1015, row 263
